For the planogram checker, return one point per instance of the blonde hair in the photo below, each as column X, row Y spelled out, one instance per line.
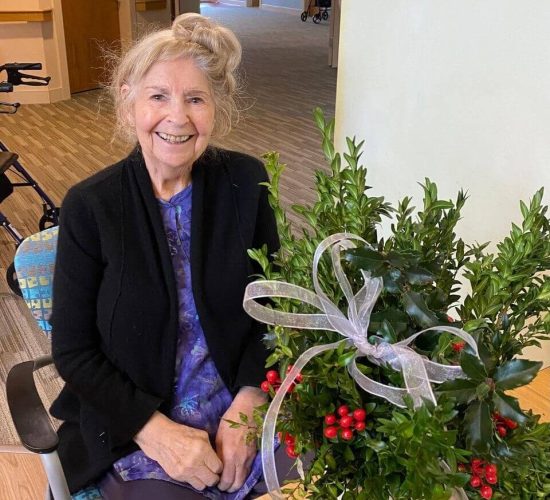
column 214, row 49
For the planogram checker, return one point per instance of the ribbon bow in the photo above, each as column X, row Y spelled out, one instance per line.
column 418, row 371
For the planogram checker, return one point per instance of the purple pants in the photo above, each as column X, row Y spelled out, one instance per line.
column 114, row 488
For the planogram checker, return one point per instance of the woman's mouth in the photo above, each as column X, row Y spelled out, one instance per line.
column 173, row 139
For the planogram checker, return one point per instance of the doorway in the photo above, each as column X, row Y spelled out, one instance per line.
column 88, row 26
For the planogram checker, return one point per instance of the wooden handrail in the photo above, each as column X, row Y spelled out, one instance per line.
column 30, row 16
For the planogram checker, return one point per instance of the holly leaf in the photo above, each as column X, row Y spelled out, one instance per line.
column 473, row 366
column 463, row 390
column 478, row 427
column 417, row 309
column 419, row 276
column 387, row 332
column 366, row 258
column 508, row 407
column 398, row 319
column 516, row 373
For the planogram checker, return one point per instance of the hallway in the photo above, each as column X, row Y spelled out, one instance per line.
column 286, row 76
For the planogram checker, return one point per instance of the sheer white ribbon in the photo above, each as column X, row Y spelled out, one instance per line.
column 418, row 371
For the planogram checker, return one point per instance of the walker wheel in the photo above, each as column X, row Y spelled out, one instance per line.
column 47, row 220
column 325, row 15
column 11, row 278
column 317, row 18
column 303, row 17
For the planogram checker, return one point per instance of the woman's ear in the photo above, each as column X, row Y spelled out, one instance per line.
column 124, row 96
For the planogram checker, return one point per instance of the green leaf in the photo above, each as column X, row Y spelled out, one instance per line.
column 387, row 332
column 365, row 258
column 472, row 366
column 463, row 390
column 376, row 445
column 419, row 276
column 478, row 427
column 417, row 309
column 398, row 319
column 508, row 407
column 516, row 373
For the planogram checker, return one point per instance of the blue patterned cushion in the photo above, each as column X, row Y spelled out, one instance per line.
column 34, row 263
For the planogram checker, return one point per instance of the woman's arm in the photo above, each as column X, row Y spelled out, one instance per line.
column 77, row 347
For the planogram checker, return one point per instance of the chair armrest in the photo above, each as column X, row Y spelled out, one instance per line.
column 29, row 416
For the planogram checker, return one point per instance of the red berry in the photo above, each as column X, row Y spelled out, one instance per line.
column 342, row 410
column 291, row 452
column 360, row 426
column 476, row 462
column 458, row 346
column 265, row 386
column 272, row 376
column 486, row 491
column 491, row 469
column 330, row 418
column 511, row 424
column 496, row 416
column 330, row 432
column 346, row 421
column 290, row 388
column 491, row 478
column 501, row 431
column 299, row 377
column 360, row 415
column 347, row 434
column 475, row 482
column 289, row 439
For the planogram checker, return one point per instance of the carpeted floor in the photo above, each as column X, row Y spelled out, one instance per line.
column 20, row 340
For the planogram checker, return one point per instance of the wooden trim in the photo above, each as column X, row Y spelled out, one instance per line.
column 144, row 5
column 29, row 16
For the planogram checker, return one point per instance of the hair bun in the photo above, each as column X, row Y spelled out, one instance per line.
column 194, row 28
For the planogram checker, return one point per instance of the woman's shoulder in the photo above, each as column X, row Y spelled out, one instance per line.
column 240, row 165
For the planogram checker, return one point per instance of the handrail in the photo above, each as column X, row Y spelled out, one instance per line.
column 30, row 16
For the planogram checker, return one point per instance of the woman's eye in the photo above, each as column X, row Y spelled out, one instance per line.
column 157, row 97
column 196, row 100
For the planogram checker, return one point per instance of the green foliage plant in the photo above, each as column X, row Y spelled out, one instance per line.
column 408, row 453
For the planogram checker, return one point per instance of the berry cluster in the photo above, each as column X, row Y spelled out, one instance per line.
column 503, row 424
column 346, row 424
column 290, row 442
column 481, row 471
column 273, row 381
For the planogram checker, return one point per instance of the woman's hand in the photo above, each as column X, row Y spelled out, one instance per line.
column 184, row 453
column 237, row 456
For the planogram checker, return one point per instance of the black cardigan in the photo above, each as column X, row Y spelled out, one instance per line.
column 115, row 302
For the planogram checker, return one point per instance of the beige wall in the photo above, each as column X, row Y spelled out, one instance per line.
column 454, row 91
column 36, row 42
column 45, row 42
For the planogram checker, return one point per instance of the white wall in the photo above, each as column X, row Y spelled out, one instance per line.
column 458, row 91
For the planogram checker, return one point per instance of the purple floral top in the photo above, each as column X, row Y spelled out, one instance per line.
column 200, row 395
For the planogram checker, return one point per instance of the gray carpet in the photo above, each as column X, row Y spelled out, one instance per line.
column 21, row 340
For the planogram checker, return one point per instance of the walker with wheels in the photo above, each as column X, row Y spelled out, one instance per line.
column 12, row 173
column 322, row 11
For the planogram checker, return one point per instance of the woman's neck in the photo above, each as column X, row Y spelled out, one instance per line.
column 168, row 184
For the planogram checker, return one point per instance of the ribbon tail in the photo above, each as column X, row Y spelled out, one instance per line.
column 392, row 394
column 268, row 433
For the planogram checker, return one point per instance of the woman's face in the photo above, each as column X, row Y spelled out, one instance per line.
column 173, row 116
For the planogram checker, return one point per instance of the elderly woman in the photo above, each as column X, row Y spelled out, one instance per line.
column 148, row 327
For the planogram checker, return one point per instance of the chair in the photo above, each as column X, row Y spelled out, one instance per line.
column 34, row 264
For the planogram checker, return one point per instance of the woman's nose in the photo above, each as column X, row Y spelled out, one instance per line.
column 179, row 112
